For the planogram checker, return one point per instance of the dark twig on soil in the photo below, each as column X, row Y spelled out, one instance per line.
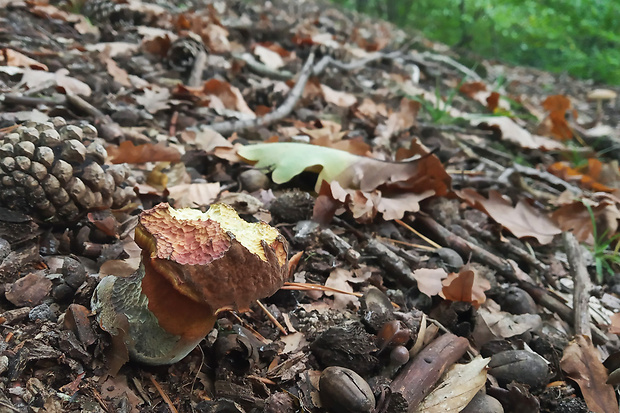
column 108, row 129
column 581, row 279
column 281, row 112
column 392, row 263
column 419, row 376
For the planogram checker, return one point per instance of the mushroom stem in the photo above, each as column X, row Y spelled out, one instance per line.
column 146, row 340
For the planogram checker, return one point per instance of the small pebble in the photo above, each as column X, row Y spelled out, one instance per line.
column 519, row 365
column 5, row 249
column 42, row 312
column 483, row 403
column 253, row 180
column 518, row 301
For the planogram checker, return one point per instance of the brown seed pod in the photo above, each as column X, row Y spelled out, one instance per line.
column 193, row 264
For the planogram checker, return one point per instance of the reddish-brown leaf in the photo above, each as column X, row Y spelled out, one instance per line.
column 581, row 362
column 127, row 152
column 558, row 105
column 465, row 286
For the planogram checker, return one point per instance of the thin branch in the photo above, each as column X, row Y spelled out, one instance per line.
column 581, row 279
column 284, row 110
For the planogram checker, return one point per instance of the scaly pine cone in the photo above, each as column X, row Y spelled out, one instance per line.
column 55, row 172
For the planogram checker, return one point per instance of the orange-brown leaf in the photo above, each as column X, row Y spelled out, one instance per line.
column 127, row 152
column 558, row 105
column 466, row 285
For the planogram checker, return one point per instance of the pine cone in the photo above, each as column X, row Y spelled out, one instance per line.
column 55, row 172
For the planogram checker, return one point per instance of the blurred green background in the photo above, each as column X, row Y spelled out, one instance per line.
column 581, row 37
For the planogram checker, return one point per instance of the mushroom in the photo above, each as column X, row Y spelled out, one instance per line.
column 599, row 95
column 192, row 265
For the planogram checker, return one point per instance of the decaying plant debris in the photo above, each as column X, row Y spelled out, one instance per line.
column 443, row 223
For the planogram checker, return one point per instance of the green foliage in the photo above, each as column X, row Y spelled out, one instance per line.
column 579, row 37
column 604, row 256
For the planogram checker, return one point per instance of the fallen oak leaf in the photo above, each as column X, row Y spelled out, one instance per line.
column 466, row 286
column 581, row 362
column 523, row 220
column 288, row 159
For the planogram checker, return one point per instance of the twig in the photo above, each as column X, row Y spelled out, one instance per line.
column 195, row 77
column 451, row 62
column 552, row 179
column 395, row 266
column 163, row 394
column 465, row 248
column 272, row 318
column 424, row 237
column 581, row 291
column 419, row 376
column 355, row 64
column 316, row 287
column 108, row 129
column 281, row 112
column 262, row 69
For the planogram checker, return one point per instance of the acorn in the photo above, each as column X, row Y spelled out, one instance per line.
column 192, row 265
column 55, row 172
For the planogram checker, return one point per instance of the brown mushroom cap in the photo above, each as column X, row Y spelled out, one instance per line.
column 215, row 258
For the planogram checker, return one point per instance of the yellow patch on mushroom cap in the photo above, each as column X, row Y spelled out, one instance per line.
column 249, row 234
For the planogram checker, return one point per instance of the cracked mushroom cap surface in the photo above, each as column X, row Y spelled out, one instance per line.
column 215, row 257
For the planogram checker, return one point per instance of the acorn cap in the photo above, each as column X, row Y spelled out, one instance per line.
column 215, row 258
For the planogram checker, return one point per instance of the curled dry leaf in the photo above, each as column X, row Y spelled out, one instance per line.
column 216, row 94
column 575, row 217
column 557, row 106
column 456, row 388
column 10, row 57
column 127, row 152
column 466, row 285
column 596, row 175
column 523, row 220
column 360, row 183
column 581, row 362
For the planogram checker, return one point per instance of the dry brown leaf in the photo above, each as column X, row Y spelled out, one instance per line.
column 466, row 286
column 430, row 280
column 67, row 84
column 522, row 220
column 127, row 152
column 119, row 74
column 10, row 57
column 575, row 217
column 340, row 279
column 512, row 132
column 457, row 387
column 614, row 327
column 596, row 175
column 581, row 362
column 270, row 58
column 340, row 99
column 154, row 99
column 555, row 124
column 402, row 120
column 193, row 195
column 493, row 324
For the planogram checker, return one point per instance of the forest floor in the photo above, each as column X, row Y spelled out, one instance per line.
column 459, row 242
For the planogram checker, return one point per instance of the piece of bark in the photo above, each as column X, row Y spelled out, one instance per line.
column 581, row 279
column 420, row 375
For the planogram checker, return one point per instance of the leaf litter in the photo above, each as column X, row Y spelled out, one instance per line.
column 358, row 139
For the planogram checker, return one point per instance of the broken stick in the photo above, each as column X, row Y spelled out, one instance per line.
column 420, row 375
